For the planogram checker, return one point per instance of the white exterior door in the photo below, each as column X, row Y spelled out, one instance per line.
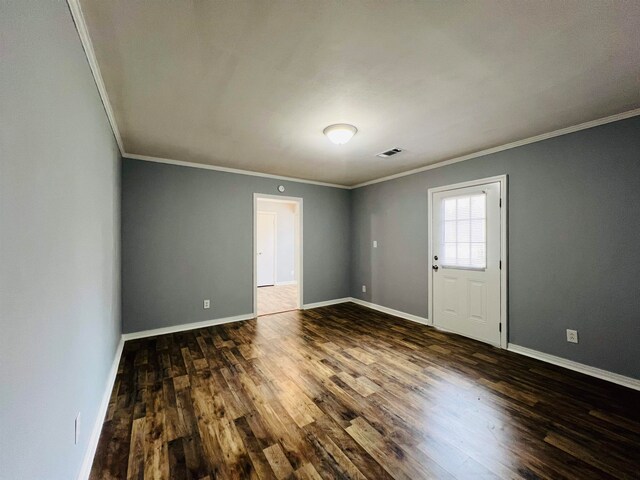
column 266, row 251
column 466, row 261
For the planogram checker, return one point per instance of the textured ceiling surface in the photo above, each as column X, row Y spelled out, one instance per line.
column 252, row 84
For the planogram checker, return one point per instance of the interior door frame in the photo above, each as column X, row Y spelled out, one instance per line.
column 504, row 286
column 298, row 231
column 275, row 245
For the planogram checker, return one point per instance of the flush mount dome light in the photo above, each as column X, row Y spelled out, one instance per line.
column 340, row 133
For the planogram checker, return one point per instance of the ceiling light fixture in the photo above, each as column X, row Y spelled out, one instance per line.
column 340, row 133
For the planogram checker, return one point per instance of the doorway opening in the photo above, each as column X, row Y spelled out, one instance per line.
column 277, row 258
column 468, row 254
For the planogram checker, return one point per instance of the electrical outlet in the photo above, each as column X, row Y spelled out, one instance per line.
column 207, row 304
column 375, row 244
column 77, row 429
column 364, row 289
column 572, row 336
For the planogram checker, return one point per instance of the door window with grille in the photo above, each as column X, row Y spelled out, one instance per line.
column 464, row 224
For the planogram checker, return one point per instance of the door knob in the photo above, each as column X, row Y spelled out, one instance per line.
column 435, row 267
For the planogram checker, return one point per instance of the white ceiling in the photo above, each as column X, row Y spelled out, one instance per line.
column 252, row 84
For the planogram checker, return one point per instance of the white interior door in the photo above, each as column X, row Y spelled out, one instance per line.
column 466, row 261
column 266, row 251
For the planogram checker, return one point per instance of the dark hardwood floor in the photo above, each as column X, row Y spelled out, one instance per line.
column 347, row 392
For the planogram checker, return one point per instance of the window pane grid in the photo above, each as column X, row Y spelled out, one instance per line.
column 464, row 231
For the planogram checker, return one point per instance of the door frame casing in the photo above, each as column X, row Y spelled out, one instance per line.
column 275, row 245
column 299, row 243
column 503, row 180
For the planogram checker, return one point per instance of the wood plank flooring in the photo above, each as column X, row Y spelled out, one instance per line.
column 278, row 298
column 347, row 392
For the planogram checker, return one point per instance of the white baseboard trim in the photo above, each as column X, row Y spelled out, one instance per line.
column 545, row 357
column 90, row 453
column 578, row 367
column 186, row 326
column 290, row 282
column 326, row 303
column 391, row 311
column 104, row 405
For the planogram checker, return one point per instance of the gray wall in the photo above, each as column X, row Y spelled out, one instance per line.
column 187, row 235
column 574, row 242
column 59, row 243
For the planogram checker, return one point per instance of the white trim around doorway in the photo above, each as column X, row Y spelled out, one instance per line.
column 299, row 271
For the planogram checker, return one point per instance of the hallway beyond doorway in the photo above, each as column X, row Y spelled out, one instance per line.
column 276, row 299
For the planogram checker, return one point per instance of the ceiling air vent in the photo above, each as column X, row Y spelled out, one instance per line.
column 389, row 153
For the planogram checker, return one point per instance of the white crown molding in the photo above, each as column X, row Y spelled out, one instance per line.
column 185, row 326
column 508, row 146
column 92, row 446
column 444, row 163
column 577, row 367
column 81, row 26
column 391, row 311
column 85, row 39
column 147, row 158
